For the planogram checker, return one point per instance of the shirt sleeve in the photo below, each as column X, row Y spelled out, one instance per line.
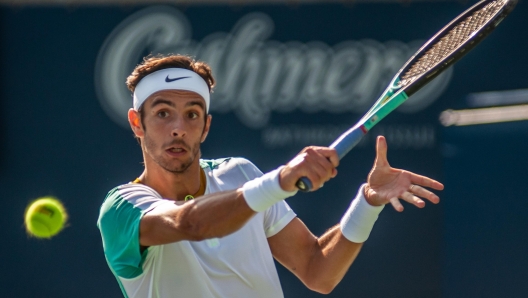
column 277, row 216
column 119, row 222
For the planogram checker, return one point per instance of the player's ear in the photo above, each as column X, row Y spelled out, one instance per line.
column 206, row 128
column 135, row 122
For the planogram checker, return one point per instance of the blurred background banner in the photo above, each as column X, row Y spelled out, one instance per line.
column 289, row 74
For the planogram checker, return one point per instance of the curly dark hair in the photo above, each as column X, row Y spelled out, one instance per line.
column 151, row 64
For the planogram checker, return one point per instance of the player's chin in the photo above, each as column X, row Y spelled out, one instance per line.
column 178, row 165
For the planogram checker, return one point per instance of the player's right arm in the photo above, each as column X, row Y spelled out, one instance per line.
column 220, row 214
column 210, row 216
column 134, row 216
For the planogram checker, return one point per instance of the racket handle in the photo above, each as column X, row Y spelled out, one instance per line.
column 304, row 184
column 348, row 140
column 342, row 145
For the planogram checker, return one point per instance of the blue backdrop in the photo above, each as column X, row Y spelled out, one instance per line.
column 63, row 134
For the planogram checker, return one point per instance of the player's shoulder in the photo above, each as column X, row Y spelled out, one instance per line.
column 213, row 164
column 237, row 168
column 225, row 163
column 132, row 193
column 129, row 190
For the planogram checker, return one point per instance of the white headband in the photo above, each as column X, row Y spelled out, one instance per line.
column 171, row 79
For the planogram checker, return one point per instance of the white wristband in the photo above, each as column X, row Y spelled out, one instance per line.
column 359, row 219
column 263, row 192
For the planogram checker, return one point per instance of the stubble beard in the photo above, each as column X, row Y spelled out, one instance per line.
column 166, row 163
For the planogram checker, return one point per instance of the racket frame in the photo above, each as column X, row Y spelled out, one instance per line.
column 395, row 95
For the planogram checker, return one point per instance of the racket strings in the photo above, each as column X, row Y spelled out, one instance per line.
column 457, row 36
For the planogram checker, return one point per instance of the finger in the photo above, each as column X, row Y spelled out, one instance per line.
column 300, row 166
column 323, row 170
column 396, row 204
column 322, row 156
column 315, row 178
column 381, row 152
column 333, row 165
column 409, row 198
column 318, row 169
column 330, row 154
column 424, row 193
column 313, row 164
column 426, row 181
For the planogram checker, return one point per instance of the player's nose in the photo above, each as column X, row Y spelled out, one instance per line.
column 178, row 128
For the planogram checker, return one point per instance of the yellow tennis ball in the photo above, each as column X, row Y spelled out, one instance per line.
column 45, row 217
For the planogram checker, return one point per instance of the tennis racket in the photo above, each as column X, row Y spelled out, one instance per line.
column 450, row 44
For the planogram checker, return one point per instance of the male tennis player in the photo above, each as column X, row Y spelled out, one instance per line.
column 189, row 227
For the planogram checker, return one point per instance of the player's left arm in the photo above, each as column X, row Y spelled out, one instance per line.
column 321, row 262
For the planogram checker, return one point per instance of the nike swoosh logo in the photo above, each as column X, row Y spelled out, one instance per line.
column 168, row 80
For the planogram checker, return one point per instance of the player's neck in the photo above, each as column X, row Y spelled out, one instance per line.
column 174, row 186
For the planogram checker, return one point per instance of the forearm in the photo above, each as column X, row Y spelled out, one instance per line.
column 321, row 262
column 210, row 216
column 340, row 245
column 216, row 215
column 332, row 255
column 213, row 215
column 227, row 213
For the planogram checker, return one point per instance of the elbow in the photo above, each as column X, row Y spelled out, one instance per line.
column 194, row 227
column 327, row 289
column 193, row 235
column 321, row 286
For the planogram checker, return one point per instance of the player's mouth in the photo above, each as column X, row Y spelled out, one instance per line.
column 176, row 151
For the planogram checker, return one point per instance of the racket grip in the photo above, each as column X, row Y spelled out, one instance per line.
column 342, row 145
column 348, row 140
column 304, row 184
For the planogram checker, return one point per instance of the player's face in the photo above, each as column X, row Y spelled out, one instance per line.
column 175, row 123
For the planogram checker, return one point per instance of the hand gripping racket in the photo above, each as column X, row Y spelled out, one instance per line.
column 454, row 41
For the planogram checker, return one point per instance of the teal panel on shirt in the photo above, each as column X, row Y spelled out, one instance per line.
column 212, row 163
column 119, row 225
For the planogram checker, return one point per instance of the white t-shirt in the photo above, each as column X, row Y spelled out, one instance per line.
column 237, row 265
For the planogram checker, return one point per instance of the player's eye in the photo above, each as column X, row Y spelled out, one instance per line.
column 193, row 115
column 163, row 114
